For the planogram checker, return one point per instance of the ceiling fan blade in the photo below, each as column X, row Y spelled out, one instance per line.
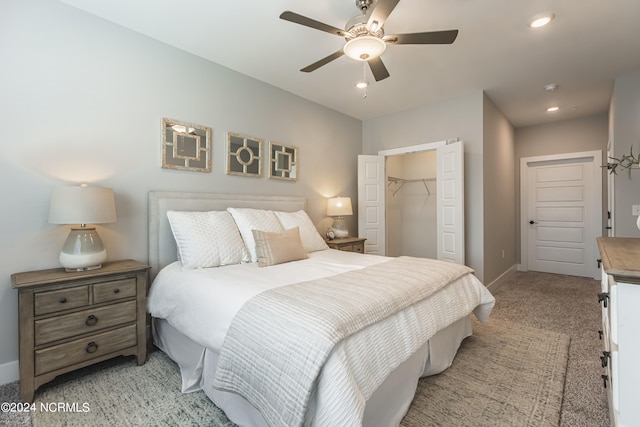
column 380, row 13
column 378, row 69
column 312, row 23
column 432, row 37
column 323, row 61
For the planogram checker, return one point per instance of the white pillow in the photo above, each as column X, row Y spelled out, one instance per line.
column 248, row 219
column 206, row 239
column 311, row 239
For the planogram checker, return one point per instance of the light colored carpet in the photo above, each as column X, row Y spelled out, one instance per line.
column 568, row 305
column 121, row 393
column 506, row 374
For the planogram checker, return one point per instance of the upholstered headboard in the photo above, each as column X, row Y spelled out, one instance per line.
column 162, row 246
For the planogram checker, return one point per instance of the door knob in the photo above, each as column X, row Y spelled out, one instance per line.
column 533, row 222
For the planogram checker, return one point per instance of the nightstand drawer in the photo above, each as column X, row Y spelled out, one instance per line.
column 348, row 244
column 115, row 290
column 69, row 325
column 63, row 355
column 358, row 248
column 62, row 299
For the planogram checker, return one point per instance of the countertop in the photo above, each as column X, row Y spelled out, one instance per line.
column 621, row 257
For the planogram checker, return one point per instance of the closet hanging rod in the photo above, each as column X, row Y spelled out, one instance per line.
column 393, row 179
column 402, row 182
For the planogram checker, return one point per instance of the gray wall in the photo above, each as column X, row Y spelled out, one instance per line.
column 625, row 132
column 459, row 117
column 81, row 100
column 568, row 136
column 499, row 192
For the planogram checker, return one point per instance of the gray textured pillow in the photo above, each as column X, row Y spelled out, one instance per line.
column 279, row 247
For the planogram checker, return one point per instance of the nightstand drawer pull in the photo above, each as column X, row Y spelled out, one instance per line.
column 63, row 300
column 92, row 347
column 116, row 291
column 91, row 320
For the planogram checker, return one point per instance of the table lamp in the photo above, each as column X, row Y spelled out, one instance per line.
column 82, row 205
column 339, row 207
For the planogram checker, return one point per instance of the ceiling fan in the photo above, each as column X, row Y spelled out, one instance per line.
column 365, row 38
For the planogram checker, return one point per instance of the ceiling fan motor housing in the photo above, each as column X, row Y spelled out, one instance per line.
column 357, row 26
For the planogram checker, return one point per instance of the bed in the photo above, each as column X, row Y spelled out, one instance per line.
column 222, row 325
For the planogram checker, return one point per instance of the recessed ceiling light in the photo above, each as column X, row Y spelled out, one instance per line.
column 553, row 109
column 362, row 85
column 541, row 20
column 551, row 87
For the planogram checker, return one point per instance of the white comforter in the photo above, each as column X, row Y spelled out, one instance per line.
column 212, row 296
column 202, row 303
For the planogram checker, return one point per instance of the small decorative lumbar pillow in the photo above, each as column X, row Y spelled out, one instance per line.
column 279, row 247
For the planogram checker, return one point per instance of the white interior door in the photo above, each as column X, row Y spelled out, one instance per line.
column 371, row 203
column 563, row 214
column 450, row 202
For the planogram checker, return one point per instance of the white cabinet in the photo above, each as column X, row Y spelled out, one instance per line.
column 620, row 303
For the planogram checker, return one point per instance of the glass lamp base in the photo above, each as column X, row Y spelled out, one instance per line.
column 83, row 250
column 340, row 228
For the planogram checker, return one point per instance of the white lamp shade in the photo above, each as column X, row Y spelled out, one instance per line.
column 82, row 205
column 339, row 206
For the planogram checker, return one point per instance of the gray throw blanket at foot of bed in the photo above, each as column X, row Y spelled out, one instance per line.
column 283, row 341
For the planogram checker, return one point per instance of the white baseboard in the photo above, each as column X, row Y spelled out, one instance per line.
column 9, row 372
column 493, row 286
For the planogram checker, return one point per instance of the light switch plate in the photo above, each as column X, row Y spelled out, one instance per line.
column 635, row 210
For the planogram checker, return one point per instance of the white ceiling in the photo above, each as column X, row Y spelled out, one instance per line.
column 589, row 43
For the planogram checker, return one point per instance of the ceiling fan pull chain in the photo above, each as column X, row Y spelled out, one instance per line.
column 364, row 79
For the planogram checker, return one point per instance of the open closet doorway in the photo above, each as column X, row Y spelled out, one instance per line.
column 411, row 201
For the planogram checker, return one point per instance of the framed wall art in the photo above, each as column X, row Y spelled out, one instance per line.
column 186, row 146
column 283, row 161
column 244, row 155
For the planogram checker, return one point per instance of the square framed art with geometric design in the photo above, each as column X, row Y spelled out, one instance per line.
column 186, row 146
column 283, row 161
column 244, row 155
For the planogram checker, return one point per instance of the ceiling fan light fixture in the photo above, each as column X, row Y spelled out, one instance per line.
column 364, row 48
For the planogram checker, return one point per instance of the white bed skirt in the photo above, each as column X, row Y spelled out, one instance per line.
column 385, row 408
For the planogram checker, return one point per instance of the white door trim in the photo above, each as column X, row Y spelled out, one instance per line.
column 412, row 148
column 596, row 209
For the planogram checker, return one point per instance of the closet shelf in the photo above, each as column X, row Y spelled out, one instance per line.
column 401, row 182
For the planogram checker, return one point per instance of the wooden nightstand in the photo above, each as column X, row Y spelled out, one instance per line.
column 69, row 320
column 350, row 244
